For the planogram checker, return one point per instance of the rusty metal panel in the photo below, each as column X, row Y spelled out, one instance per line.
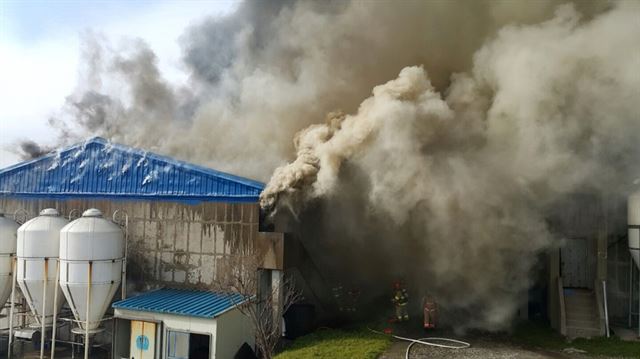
column 143, row 340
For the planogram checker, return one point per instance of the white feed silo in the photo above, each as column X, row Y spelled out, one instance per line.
column 37, row 250
column 91, row 259
column 8, row 232
column 633, row 223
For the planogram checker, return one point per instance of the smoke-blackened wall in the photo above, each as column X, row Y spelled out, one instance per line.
column 175, row 244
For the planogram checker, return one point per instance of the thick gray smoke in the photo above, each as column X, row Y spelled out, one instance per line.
column 271, row 69
column 501, row 108
column 465, row 180
column 28, row 150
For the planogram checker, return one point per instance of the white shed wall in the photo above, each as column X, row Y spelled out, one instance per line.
column 228, row 331
column 235, row 329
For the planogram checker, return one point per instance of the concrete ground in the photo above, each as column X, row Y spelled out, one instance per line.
column 26, row 350
column 480, row 349
column 483, row 346
column 626, row 334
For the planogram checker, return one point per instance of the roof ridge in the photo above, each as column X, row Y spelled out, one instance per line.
column 176, row 177
column 192, row 302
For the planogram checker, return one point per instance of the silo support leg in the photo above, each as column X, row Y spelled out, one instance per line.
column 631, row 265
column 13, row 300
column 44, row 308
column 55, row 310
column 86, row 324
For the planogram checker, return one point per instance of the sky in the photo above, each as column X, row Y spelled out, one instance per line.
column 40, row 52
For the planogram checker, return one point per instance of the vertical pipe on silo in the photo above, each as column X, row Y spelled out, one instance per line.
column 55, row 310
column 631, row 264
column 44, row 307
column 86, row 327
column 13, row 299
column 124, row 262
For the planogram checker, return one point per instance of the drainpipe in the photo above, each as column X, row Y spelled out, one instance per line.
column 606, row 310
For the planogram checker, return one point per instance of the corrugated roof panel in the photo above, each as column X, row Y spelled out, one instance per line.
column 103, row 169
column 194, row 303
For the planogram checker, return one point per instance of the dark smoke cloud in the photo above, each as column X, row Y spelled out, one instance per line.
column 211, row 48
column 28, row 150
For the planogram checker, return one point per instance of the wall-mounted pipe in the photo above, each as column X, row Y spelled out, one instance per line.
column 123, row 288
column 606, row 309
column 13, row 300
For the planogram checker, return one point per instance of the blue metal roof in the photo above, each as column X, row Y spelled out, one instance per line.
column 99, row 168
column 193, row 303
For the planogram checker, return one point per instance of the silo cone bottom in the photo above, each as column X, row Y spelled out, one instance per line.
column 38, row 326
column 80, row 330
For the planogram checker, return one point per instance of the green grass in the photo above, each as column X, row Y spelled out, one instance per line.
column 336, row 343
column 540, row 336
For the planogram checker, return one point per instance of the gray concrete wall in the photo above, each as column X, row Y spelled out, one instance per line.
column 618, row 285
column 173, row 243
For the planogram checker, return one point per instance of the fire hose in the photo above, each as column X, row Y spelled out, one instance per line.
column 428, row 341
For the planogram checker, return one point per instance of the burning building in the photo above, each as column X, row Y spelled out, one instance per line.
column 483, row 154
column 184, row 225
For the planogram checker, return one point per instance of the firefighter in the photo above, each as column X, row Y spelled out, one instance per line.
column 400, row 300
column 430, row 308
column 338, row 295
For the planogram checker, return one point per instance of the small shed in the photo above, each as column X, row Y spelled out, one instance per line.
column 180, row 323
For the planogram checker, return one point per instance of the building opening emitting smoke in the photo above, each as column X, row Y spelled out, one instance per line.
column 483, row 116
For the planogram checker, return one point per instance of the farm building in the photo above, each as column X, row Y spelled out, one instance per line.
column 184, row 225
column 187, row 226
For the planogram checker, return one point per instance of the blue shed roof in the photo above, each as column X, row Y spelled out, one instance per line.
column 99, row 168
column 193, row 303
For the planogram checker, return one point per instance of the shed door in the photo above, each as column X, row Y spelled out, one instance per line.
column 575, row 263
column 143, row 340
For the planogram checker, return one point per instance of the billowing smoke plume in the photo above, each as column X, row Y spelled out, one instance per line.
column 444, row 175
column 271, row 69
column 464, row 181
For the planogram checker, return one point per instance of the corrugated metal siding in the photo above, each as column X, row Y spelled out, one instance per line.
column 192, row 303
column 100, row 168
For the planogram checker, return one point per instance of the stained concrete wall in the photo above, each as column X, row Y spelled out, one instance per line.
column 173, row 243
column 618, row 283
